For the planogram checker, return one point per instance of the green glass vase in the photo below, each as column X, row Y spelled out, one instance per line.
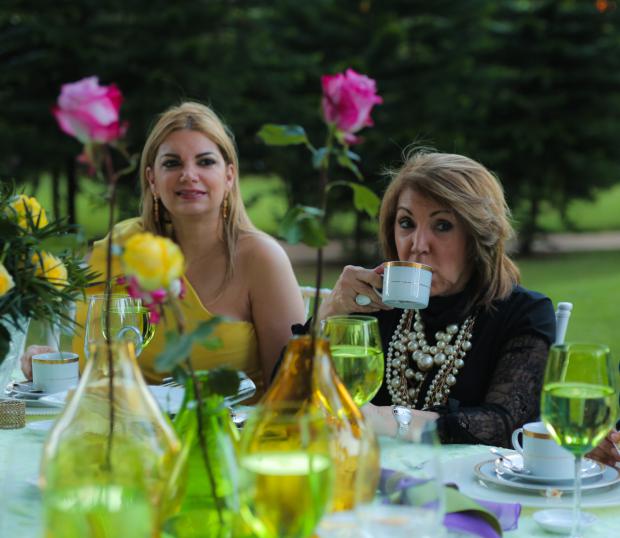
column 210, row 503
column 106, row 469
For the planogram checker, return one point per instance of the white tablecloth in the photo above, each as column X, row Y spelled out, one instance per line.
column 21, row 511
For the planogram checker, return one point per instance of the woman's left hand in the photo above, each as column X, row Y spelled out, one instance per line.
column 606, row 452
column 382, row 421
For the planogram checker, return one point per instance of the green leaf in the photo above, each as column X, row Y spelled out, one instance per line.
column 5, row 342
column 365, row 200
column 318, row 157
column 303, row 224
column 176, row 351
column 282, row 135
column 344, row 159
column 221, row 381
column 179, row 346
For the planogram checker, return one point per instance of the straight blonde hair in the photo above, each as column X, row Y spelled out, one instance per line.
column 477, row 198
column 195, row 117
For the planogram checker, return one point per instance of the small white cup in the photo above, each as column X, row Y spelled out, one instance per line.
column 542, row 456
column 55, row 372
column 406, row 284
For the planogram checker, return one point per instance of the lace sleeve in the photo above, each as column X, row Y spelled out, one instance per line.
column 513, row 397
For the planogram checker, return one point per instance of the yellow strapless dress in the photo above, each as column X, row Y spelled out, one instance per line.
column 239, row 346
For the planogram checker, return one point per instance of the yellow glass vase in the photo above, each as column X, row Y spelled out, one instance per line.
column 107, row 469
column 307, row 375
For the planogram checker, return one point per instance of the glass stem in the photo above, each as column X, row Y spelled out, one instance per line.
column 576, row 531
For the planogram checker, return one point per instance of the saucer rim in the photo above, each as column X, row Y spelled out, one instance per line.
column 597, row 470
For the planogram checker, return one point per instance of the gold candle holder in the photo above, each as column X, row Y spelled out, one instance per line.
column 12, row 414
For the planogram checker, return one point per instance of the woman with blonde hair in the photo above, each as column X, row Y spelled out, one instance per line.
column 486, row 336
column 189, row 173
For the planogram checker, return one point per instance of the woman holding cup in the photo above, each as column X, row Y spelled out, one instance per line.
column 474, row 358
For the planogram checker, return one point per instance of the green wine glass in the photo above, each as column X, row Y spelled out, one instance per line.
column 286, row 473
column 577, row 402
column 357, row 354
column 128, row 320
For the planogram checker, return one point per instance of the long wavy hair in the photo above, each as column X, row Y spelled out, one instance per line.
column 477, row 198
column 195, row 117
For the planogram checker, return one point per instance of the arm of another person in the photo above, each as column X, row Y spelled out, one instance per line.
column 275, row 299
column 513, row 397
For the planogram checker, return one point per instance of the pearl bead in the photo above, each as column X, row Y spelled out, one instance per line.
column 420, row 336
column 466, row 346
column 419, row 376
column 459, row 363
column 418, row 326
column 395, row 382
column 439, row 359
column 425, row 348
column 452, row 329
column 409, row 373
column 395, row 363
column 413, row 392
column 450, row 380
column 425, row 363
column 412, row 346
column 417, row 355
column 448, row 350
column 439, row 335
column 441, row 344
column 432, row 350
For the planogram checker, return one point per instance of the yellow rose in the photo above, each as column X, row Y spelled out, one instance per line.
column 153, row 260
column 22, row 206
column 6, row 280
column 50, row 268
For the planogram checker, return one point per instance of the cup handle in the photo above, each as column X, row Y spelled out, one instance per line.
column 131, row 333
column 515, row 440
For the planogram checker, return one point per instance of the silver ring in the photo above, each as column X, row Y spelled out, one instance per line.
column 403, row 418
column 362, row 300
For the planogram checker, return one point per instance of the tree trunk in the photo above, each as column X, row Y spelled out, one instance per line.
column 529, row 228
column 56, row 193
column 71, row 189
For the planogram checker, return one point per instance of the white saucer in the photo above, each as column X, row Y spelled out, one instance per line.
column 561, row 521
column 25, row 391
column 486, row 472
column 589, row 469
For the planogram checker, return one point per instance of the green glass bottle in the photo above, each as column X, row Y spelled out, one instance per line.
column 210, row 503
column 106, row 469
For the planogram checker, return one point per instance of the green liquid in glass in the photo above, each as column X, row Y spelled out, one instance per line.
column 287, row 492
column 98, row 511
column 579, row 414
column 360, row 369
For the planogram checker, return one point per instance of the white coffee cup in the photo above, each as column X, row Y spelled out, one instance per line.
column 542, row 456
column 406, row 284
column 55, row 372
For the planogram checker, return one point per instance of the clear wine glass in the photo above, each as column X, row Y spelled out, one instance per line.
column 577, row 403
column 286, row 472
column 128, row 320
column 357, row 354
column 410, row 499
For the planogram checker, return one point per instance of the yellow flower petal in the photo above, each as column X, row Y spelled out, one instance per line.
column 50, row 268
column 22, row 206
column 6, row 281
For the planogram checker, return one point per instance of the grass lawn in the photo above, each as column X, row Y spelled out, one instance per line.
column 589, row 280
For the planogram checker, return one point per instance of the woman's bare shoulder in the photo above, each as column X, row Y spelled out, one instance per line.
column 259, row 247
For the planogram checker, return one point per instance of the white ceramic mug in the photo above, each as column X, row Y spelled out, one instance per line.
column 55, row 372
column 542, row 456
column 406, row 284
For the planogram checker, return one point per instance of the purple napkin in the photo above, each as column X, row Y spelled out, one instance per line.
column 483, row 518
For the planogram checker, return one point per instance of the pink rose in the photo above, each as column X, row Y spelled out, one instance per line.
column 348, row 99
column 89, row 112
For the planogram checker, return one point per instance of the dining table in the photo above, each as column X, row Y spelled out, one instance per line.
column 21, row 508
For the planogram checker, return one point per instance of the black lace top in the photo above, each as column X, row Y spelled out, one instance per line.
column 498, row 388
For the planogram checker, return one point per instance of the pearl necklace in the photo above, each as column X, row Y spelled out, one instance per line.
column 404, row 382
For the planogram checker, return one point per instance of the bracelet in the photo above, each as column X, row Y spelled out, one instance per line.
column 403, row 417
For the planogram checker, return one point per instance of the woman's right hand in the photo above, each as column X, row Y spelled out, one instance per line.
column 354, row 281
column 26, row 359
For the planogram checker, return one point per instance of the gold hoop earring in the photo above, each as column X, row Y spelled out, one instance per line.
column 225, row 207
column 156, row 209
